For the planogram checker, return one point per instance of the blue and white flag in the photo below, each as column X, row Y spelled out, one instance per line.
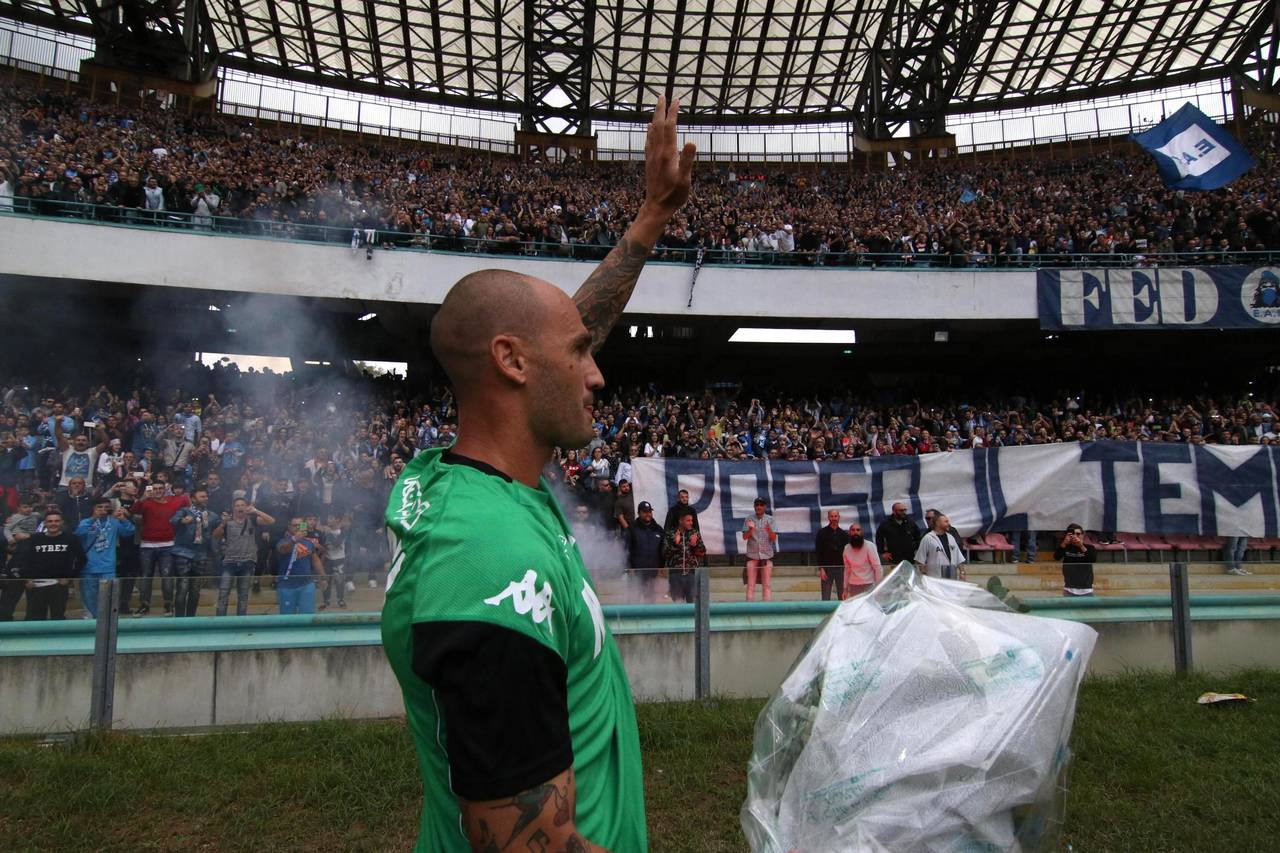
column 1193, row 153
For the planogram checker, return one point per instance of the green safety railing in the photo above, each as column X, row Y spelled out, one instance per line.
column 230, row 633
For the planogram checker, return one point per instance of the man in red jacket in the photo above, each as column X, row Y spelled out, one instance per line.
column 152, row 513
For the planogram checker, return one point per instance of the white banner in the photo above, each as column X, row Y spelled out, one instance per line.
column 1136, row 487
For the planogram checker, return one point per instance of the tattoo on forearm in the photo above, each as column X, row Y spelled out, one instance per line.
column 529, row 806
column 488, row 844
column 605, row 293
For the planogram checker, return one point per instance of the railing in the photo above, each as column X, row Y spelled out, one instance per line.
column 89, row 656
column 370, row 239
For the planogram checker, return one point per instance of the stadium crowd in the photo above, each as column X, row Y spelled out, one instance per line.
column 59, row 153
column 283, row 479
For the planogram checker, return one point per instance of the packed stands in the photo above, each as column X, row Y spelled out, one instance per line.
column 64, row 155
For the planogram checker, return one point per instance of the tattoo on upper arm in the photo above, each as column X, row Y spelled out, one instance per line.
column 605, row 293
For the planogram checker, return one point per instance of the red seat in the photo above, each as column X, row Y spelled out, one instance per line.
column 1092, row 539
column 998, row 543
column 1131, row 541
column 1184, row 542
column 1154, row 541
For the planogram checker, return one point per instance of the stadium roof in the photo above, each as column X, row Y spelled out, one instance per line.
column 880, row 63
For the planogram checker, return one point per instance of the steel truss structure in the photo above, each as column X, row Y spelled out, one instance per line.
column 879, row 64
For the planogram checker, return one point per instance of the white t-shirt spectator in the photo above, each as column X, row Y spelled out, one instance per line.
column 77, row 464
column 940, row 557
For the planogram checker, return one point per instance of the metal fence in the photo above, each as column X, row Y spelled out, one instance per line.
column 371, row 239
column 696, row 617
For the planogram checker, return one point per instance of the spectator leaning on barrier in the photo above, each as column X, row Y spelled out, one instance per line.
column 829, row 546
column 685, row 553
column 897, row 537
column 861, row 563
column 1077, row 558
column 46, row 564
column 759, row 533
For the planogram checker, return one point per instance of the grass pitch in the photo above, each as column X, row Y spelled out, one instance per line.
column 1153, row 771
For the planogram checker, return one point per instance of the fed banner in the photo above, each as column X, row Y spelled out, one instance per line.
column 1208, row 298
column 1138, row 487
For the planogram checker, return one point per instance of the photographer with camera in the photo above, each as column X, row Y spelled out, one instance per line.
column 1077, row 558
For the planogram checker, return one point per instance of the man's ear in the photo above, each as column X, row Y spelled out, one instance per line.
column 510, row 357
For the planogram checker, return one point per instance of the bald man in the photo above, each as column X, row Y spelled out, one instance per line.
column 514, row 691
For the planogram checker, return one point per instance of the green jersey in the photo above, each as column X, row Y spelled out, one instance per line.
column 473, row 547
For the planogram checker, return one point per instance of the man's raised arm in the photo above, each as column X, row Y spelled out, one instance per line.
column 668, row 172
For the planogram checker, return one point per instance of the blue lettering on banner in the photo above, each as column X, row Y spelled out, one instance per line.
column 791, row 474
column 881, row 465
column 1221, row 489
column 829, row 497
column 686, row 469
column 1155, row 491
column 1254, row 477
column 1000, row 517
column 1228, row 297
column 1109, row 453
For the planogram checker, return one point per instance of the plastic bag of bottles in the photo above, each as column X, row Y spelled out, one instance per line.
column 924, row 715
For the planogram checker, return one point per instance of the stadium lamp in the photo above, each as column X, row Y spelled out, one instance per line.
column 749, row 335
column 941, row 336
column 368, row 316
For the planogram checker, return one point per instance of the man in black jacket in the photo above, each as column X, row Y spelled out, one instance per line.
column 830, row 547
column 47, row 563
column 1077, row 558
column 644, row 551
column 897, row 537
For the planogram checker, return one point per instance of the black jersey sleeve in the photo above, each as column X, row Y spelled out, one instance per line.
column 503, row 700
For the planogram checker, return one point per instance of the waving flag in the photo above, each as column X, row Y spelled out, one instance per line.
column 1193, row 153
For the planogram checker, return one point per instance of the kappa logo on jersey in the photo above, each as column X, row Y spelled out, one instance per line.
column 527, row 600
column 413, row 503
column 597, row 614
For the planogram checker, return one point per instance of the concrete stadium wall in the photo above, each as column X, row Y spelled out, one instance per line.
column 167, row 690
column 56, row 249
